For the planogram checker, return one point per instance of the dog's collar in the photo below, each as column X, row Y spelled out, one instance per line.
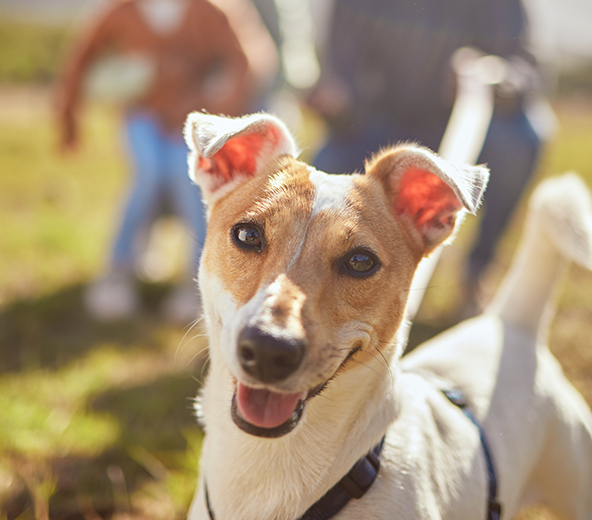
column 494, row 508
column 358, row 480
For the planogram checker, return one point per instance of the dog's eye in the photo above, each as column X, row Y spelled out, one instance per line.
column 361, row 263
column 247, row 236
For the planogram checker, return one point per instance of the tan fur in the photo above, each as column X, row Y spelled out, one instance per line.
column 432, row 465
column 282, row 203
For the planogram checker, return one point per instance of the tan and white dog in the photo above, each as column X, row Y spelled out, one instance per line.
column 305, row 278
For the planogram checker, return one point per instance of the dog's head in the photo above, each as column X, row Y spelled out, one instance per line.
column 304, row 271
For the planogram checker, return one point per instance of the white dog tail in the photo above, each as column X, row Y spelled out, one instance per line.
column 558, row 230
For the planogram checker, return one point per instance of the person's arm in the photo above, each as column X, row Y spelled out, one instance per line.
column 255, row 40
column 239, row 76
column 69, row 87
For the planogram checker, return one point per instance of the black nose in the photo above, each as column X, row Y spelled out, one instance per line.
column 267, row 357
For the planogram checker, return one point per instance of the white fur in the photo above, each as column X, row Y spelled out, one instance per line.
column 432, row 465
column 330, row 191
column 539, row 429
column 276, row 486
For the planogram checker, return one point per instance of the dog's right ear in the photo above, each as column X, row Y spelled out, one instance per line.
column 228, row 151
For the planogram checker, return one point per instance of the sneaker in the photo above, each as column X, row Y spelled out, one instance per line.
column 183, row 306
column 112, row 297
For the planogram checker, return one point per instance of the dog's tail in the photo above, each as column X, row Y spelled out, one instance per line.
column 558, row 230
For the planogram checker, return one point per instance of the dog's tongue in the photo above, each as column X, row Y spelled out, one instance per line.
column 263, row 408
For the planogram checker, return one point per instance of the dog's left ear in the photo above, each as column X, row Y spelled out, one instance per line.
column 426, row 193
column 228, row 151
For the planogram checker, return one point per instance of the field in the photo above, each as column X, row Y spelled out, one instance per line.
column 96, row 419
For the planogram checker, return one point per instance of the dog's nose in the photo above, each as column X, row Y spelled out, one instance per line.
column 267, row 357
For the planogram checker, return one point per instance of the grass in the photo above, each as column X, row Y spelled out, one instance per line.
column 96, row 419
column 30, row 52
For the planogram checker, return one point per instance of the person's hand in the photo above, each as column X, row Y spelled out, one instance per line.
column 69, row 138
column 330, row 98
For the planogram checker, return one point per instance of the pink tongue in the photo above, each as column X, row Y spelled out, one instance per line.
column 263, row 408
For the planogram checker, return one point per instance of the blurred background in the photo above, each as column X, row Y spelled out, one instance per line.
column 96, row 417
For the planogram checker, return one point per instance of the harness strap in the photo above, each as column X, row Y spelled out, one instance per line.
column 361, row 476
column 494, row 507
column 354, row 484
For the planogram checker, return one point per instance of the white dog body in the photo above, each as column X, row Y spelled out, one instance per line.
column 322, row 265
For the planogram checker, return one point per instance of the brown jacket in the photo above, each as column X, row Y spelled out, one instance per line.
column 183, row 59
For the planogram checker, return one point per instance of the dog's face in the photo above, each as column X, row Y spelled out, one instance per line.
column 303, row 271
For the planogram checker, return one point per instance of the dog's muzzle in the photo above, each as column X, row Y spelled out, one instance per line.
column 268, row 357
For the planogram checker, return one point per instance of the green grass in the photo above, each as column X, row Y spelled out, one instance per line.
column 93, row 417
column 30, row 52
column 97, row 418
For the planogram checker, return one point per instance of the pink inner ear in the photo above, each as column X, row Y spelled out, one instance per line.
column 426, row 198
column 239, row 154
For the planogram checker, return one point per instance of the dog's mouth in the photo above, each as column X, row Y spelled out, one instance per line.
column 265, row 413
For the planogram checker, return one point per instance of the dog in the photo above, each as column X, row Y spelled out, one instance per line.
column 309, row 410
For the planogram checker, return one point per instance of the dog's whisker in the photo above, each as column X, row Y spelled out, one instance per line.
column 321, row 394
column 386, row 363
column 181, row 344
column 193, row 338
column 206, row 365
column 200, row 352
column 369, row 365
column 431, row 287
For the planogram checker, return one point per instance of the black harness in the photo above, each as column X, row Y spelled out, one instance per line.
column 494, row 507
column 360, row 478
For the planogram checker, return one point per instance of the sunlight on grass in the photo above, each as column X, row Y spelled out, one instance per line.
column 79, row 400
column 42, row 412
column 96, row 420
column 50, row 415
column 52, row 205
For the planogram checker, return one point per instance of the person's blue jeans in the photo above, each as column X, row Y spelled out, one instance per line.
column 511, row 151
column 159, row 163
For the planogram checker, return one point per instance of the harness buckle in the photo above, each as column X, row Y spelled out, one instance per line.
column 494, row 512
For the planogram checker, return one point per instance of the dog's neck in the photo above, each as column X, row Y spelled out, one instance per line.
column 252, row 477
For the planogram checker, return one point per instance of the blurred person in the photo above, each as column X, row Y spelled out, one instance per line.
column 249, row 21
column 161, row 59
column 387, row 77
column 290, row 25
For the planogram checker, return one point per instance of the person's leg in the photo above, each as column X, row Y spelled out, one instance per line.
column 511, row 150
column 186, row 197
column 183, row 305
column 114, row 294
column 145, row 151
